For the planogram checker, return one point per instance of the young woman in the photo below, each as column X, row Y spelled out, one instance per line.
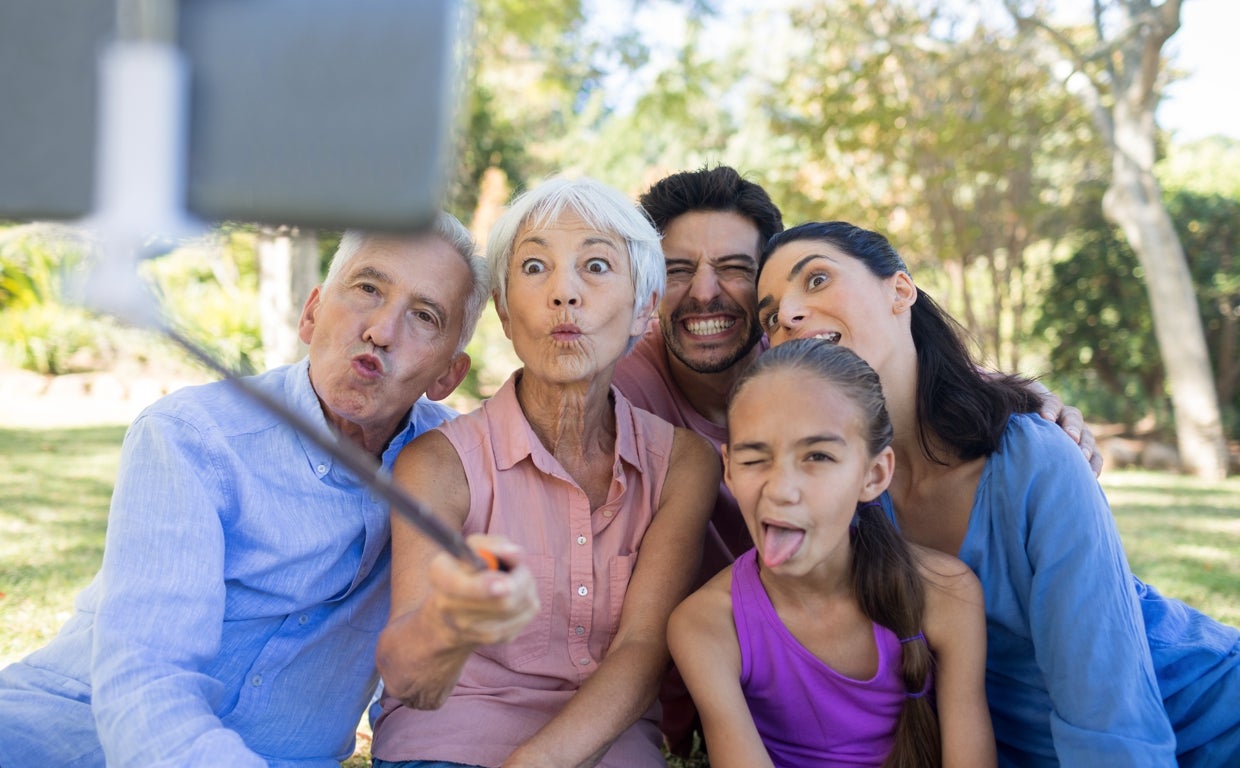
column 833, row 642
column 1085, row 664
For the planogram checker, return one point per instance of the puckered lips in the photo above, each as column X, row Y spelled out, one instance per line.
column 780, row 541
column 368, row 366
column 566, row 332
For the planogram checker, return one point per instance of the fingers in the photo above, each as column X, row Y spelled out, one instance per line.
column 1095, row 463
column 1052, row 407
column 484, row 607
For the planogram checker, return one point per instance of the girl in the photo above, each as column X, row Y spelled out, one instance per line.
column 1086, row 665
column 831, row 642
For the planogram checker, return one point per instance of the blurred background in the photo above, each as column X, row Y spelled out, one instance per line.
column 966, row 138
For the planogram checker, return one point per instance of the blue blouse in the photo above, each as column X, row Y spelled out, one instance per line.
column 1085, row 664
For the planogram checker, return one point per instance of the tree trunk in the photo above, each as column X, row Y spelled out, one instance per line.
column 1123, row 93
column 1134, row 203
column 288, row 263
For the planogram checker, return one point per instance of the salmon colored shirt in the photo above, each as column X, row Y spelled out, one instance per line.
column 581, row 560
column 645, row 378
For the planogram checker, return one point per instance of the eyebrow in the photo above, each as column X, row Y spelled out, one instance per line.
column 805, row 442
column 731, row 257
column 379, row 276
column 371, row 273
column 796, row 270
column 534, row 239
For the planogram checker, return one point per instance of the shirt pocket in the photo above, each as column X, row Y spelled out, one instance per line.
column 534, row 642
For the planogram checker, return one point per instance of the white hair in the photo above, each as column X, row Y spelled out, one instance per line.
column 447, row 228
column 602, row 208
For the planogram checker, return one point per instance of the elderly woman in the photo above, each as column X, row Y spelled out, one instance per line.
column 560, row 463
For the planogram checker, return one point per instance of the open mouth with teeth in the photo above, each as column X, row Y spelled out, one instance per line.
column 831, row 337
column 709, row 327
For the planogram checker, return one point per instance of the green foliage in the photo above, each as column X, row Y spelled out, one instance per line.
column 1208, row 166
column 1097, row 322
column 944, row 133
column 39, row 331
column 208, row 290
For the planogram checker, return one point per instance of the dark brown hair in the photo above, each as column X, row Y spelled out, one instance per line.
column 711, row 189
column 956, row 403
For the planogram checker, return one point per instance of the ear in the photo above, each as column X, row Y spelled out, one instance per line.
column 878, row 476
column 450, row 379
column 503, row 315
column 305, row 325
column 641, row 318
column 905, row 292
column 727, row 466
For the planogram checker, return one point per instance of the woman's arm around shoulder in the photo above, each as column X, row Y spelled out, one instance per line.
column 627, row 680
column 442, row 609
column 703, row 642
column 954, row 625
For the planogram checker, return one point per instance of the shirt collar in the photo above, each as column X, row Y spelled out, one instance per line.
column 300, row 395
column 512, row 444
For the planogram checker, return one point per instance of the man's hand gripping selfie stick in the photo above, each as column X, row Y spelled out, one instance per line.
column 141, row 176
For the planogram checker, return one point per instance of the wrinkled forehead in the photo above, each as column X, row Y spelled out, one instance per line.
column 427, row 265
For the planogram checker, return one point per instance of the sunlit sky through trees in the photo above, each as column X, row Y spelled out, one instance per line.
column 1203, row 103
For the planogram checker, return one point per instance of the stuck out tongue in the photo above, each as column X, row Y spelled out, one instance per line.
column 779, row 544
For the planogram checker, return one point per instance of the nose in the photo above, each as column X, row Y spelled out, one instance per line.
column 382, row 326
column 704, row 286
column 792, row 315
column 565, row 289
column 780, row 486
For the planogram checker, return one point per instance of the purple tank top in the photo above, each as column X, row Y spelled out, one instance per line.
column 806, row 712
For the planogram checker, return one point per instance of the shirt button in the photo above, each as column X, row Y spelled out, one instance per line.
column 582, row 590
column 256, row 681
column 583, row 662
column 580, row 630
column 608, row 512
column 302, row 619
column 321, row 469
column 581, row 539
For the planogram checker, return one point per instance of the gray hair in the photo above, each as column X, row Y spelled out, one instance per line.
column 600, row 206
column 447, row 228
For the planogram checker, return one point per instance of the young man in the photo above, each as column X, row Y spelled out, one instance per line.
column 714, row 224
column 245, row 574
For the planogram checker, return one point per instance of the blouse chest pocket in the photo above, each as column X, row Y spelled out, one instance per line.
column 534, row 641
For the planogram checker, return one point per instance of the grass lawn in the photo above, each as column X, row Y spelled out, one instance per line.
column 1181, row 534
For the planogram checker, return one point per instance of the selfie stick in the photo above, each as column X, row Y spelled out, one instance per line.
column 141, row 162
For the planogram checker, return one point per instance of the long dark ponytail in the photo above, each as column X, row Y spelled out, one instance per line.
column 887, row 583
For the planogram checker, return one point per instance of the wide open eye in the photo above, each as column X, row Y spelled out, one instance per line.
column 598, row 266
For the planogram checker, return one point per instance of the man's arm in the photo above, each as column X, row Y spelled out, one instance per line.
column 160, row 619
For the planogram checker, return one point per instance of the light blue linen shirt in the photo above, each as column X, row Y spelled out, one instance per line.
column 1070, row 677
column 234, row 619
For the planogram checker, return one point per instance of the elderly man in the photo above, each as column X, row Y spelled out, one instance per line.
column 245, row 574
